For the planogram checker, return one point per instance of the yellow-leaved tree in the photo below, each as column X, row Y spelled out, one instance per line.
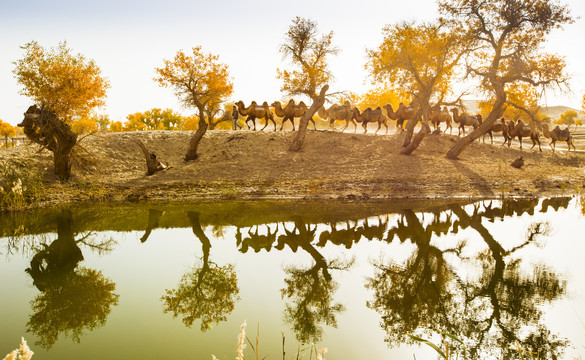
column 423, row 60
column 507, row 41
column 200, row 81
column 57, row 80
column 64, row 87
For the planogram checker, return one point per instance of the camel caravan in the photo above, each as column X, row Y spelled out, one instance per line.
column 509, row 129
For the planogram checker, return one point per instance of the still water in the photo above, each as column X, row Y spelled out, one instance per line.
column 488, row 279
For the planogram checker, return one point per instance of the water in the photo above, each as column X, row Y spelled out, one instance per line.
column 176, row 281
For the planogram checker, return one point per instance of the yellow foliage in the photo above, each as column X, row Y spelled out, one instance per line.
column 422, row 60
column 55, row 79
column 523, row 95
column 85, row 125
column 6, row 129
column 154, row 119
column 191, row 123
column 382, row 95
column 199, row 80
column 116, row 126
column 308, row 54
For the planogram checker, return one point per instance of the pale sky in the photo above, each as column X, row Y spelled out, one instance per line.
column 129, row 39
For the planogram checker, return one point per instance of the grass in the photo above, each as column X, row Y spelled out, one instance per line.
column 21, row 184
column 242, row 339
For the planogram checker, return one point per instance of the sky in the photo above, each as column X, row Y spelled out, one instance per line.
column 129, row 39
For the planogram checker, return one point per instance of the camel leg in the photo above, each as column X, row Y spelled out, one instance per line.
column 386, row 125
column 274, row 122
column 265, row 125
column 314, row 125
column 346, row 125
column 379, row 126
column 365, row 126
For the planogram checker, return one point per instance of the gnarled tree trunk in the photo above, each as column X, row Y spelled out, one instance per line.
column 44, row 128
column 297, row 143
column 496, row 112
column 152, row 163
column 414, row 144
column 195, row 139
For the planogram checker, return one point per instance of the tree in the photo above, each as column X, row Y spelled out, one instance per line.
column 154, row 119
column 59, row 81
column 65, row 87
column 507, row 39
column 422, row 60
column 199, row 81
column 308, row 55
column 568, row 118
column 6, row 130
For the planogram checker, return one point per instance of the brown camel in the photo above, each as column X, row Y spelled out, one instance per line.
column 255, row 111
column 499, row 126
column 338, row 113
column 438, row 115
column 290, row 112
column 558, row 135
column 371, row 116
column 520, row 130
column 464, row 120
column 401, row 114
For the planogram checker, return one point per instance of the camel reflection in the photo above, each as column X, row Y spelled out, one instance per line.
column 207, row 292
column 310, row 290
column 72, row 299
column 491, row 312
column 255, row 241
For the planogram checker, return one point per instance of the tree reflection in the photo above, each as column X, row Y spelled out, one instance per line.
column 310, row 290
column 498, row 309
column 208, row 292
column 72, row 299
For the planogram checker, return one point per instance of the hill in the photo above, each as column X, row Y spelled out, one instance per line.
column 332, row 165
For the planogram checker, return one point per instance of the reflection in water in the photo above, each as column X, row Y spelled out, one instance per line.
column 207, row 292
column 310, row 290
column 72, row 299
column 493, row 307
column 492, row 313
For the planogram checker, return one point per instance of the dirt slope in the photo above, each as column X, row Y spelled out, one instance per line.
column 248, row 164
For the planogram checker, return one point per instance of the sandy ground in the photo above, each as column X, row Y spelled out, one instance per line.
column 332, row 165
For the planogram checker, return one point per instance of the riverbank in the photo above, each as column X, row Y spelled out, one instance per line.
column 332, row 165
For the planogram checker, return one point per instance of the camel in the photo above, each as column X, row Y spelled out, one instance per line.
column 520, row 130
column 338, row 112
column 256, row 111
column 370, row 116
column 437, row 116
column 290, row 112
column 558, row 135
column 401, row 114
column 498, row 126
column 465, row 120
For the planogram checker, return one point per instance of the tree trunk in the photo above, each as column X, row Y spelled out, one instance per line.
column 424, row 131
column 297, row 143
column 195, row 139
column 496, row 112
column 152, row 163
column 410, row 130
column 44, row 128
